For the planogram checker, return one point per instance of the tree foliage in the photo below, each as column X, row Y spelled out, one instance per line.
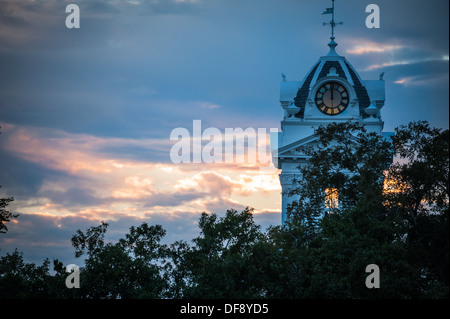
column 222, row 262
column 5, row 216
column 19, row 279
column 421, row 198
column 126, row 269
column 392, row 215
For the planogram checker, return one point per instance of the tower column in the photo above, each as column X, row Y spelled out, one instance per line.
column 287, row 184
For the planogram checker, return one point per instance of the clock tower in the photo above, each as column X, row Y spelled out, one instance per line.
column 332, row 91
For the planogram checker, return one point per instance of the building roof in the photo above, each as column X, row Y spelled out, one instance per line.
column 321, row 69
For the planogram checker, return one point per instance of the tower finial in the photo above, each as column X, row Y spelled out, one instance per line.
column 333, row 24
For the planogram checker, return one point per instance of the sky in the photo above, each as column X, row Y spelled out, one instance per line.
column 86, row 114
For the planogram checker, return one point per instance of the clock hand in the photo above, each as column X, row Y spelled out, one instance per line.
column 332, row 96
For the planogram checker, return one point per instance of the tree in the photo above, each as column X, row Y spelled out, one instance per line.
column 335, row 244
column 23, row 280
column 129, row 268
column 5, row 216
column 227, row 259
column 419, row 193
column 347, row 160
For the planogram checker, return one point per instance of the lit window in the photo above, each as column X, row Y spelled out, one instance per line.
column 392, row 186
column 331, row 198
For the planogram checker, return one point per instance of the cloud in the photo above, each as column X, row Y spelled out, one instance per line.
column 431, row 75
column 422, row 80
column 23, row 22
column 407, row 62
column 243, row 184
column 42, row 236
column 365, row 47
column 267, row 218
column 209, row 106
column 75, row 153
column 82, row 178
column 211, row 182
column 174, row 199
column 189, row 1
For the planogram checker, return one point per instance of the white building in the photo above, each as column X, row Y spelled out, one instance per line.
column 332, row 91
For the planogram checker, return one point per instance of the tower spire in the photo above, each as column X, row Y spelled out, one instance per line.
column 333, row 25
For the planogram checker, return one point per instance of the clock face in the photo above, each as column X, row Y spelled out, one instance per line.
column 332, row 98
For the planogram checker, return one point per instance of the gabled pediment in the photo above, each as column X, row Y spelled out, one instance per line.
column 293, row 149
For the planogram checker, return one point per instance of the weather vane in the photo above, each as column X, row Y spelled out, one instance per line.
column 331, row 23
